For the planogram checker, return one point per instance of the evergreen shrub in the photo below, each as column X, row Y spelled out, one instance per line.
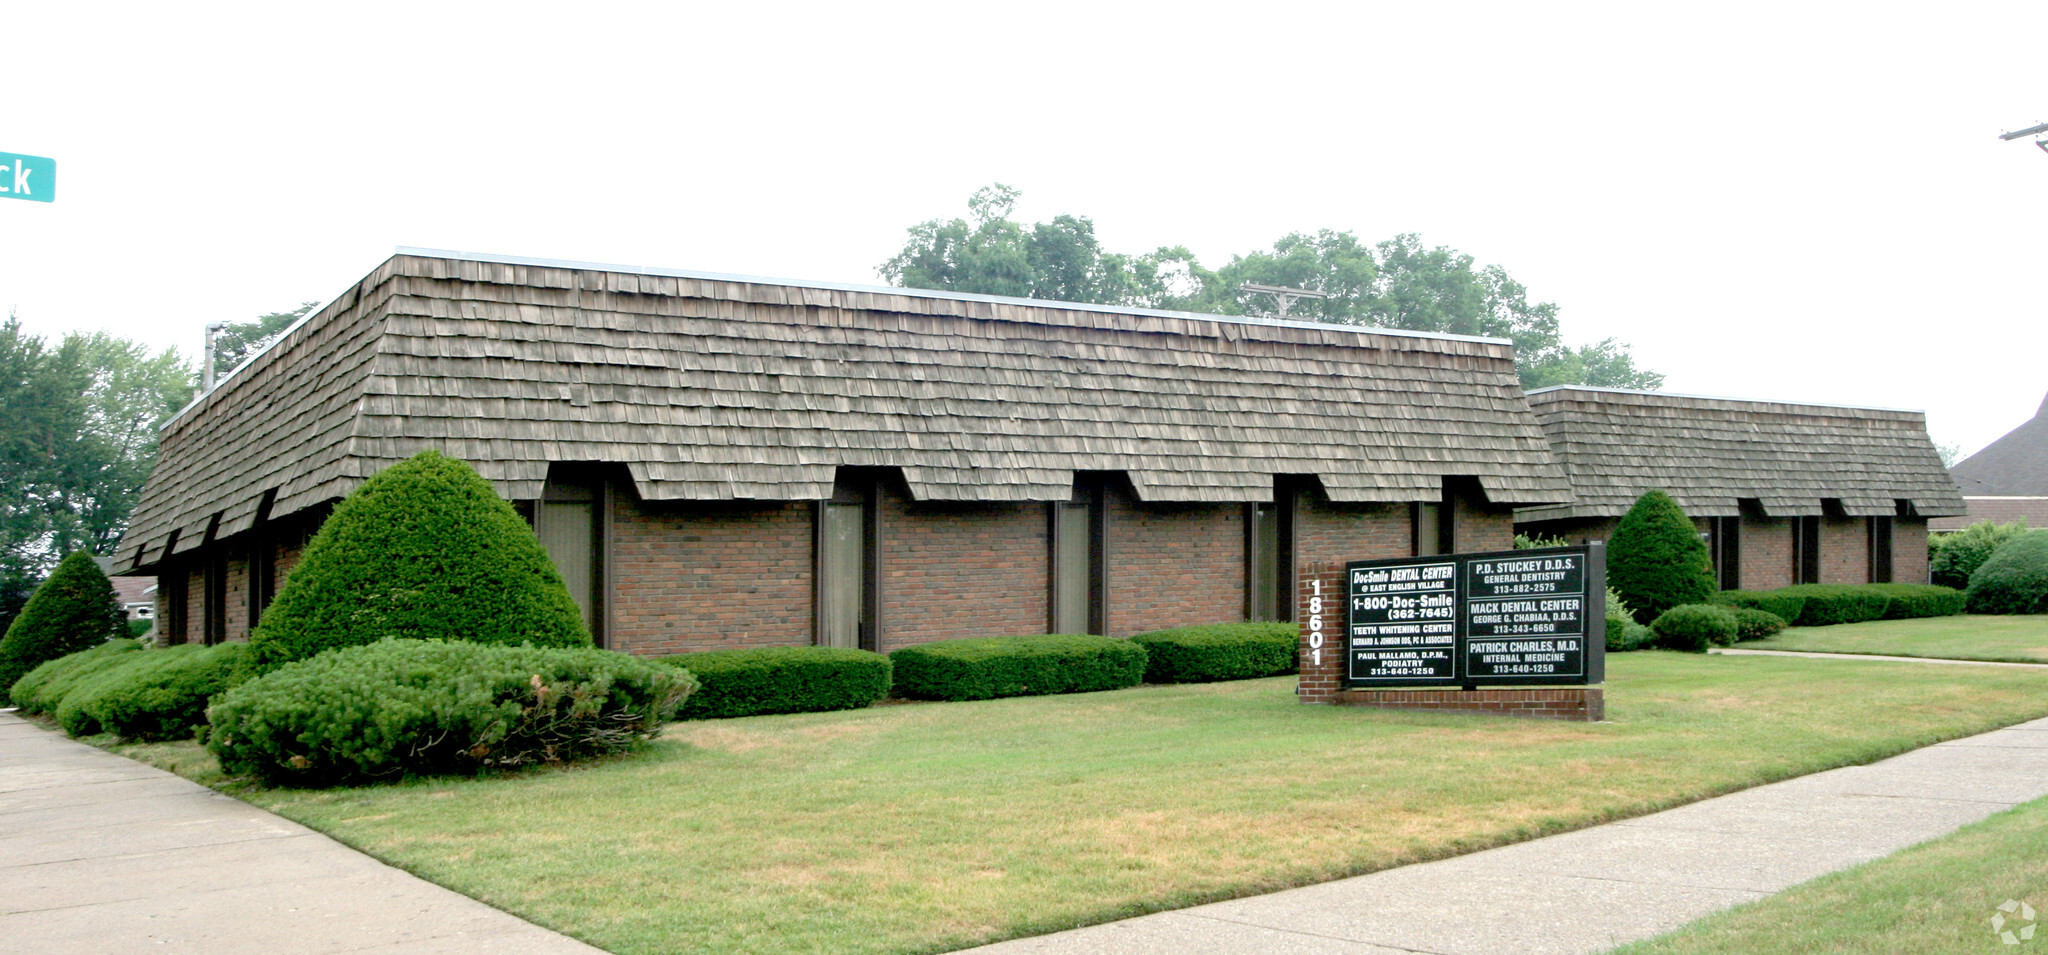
column 2014, row 579
column 43, row 689
column 1222, row 651
column 153, row 696
column 1953, row 557
column 781, row 680
column 400, row 707
column 423, row 550
column 1656, row 560
column 1753, row 624
column 73, row 610
column 1921, row 600
column 1694, row 627
column 1619, row 620
column 1778, row 603
column 983, row 668
column 1830, row 604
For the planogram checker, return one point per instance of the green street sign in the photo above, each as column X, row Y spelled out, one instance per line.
column 28, row 177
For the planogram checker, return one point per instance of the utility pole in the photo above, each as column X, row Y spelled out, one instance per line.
column 2034, row 130
column 1282, row 294
column 206, row 377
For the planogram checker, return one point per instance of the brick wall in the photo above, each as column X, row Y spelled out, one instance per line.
column 709, row 576
column 1334, row 533
column 238, row 598
column 1844, row 550
column 1767, row 552
column 195, row 604
column 1909, row 550
column 1171, row 565
column 1479, row 528
column 1998, row 510
column 961, row 570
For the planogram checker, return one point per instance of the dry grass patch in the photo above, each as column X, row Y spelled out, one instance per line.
column 927, row 828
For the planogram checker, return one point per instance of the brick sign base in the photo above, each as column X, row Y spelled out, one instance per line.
column 1322, row 650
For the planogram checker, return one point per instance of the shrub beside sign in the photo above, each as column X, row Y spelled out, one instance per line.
column 1511, row 617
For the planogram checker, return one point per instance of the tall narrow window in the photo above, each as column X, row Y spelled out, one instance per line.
column 1076, row 572
column 262, row 561
column 1435, row 526
column 1880, row 550
column 847, row 539
column 1724, row 538
column 1269, row 553
column 174, row 614
column 568, row 521
column 1806, row 550
column 215, row 593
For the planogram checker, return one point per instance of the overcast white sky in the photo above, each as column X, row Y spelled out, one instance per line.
column 1774, row 201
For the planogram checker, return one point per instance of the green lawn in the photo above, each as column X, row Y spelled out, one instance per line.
column 1938, row 896
column 2013, row 639
column 920, row 828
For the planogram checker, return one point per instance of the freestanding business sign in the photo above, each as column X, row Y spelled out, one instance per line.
column 1505, row 618
column 28, row 177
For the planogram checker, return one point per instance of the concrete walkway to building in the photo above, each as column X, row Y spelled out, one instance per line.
column 1589, row 890
column 101, row 854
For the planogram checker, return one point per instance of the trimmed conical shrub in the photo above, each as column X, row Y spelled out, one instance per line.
column 1656, row 560
column 73, row 610
column 423, row 550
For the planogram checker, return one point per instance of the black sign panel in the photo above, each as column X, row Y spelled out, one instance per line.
column 1402, row 623
column 1527, row 616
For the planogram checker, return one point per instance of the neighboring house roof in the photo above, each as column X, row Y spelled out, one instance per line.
column 1711, row 453
column 716, row 387
column 2012, row 466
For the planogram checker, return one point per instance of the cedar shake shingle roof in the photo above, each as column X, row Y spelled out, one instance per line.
column 709, row 387
column 2012, row 466
column 1711, row 453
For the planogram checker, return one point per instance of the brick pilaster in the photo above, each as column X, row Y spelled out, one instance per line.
column 1320, row 587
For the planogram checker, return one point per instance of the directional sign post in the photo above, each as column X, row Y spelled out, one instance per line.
column 28, row 177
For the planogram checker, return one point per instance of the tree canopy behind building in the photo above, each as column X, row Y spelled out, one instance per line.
column 1399, row 283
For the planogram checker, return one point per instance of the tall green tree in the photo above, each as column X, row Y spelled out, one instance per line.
column 239, row 340
column 1399, row 283
column 78, row 437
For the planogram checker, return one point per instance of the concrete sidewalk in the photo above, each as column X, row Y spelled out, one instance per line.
column 1588, row 890
column 102, row 854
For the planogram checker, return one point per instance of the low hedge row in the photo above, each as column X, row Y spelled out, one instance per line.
column 1223, row 651
column 1695, row 627
column 1821, row 605
column 154, row 696
column 781, row 680
column 43, row 689
column 983, row 668
column 1753, row 624
column 398, row 707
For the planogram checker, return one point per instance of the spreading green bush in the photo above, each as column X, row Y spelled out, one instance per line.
column 1619, row 620
column 983, row 668
column 426, row 706
column 73, row 610
column 2015, row 579
column 1778, row 603
column 781, row 680
column 1753, row 624
column 153, row 696
column 1920, row 600
column 422, row 550
column 1538, row 541
column 1953, row 557
column 137, row 628
column 1222, row 651
column 44, row 688
column 1656, row 560
column 1694, row 627
column 1630, row 636
column 1830, row 604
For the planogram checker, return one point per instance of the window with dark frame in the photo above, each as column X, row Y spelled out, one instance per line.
column 1434, row 526
column 1880, row 550
column 173, row 593
column 1269, row 557
column 569, row 520
column 848, row 538
column 1076, row 555
column 1806, row 550
column 1724, row 539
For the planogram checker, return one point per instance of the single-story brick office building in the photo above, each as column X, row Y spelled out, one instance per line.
column 719, row 461
column 1784, row 493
